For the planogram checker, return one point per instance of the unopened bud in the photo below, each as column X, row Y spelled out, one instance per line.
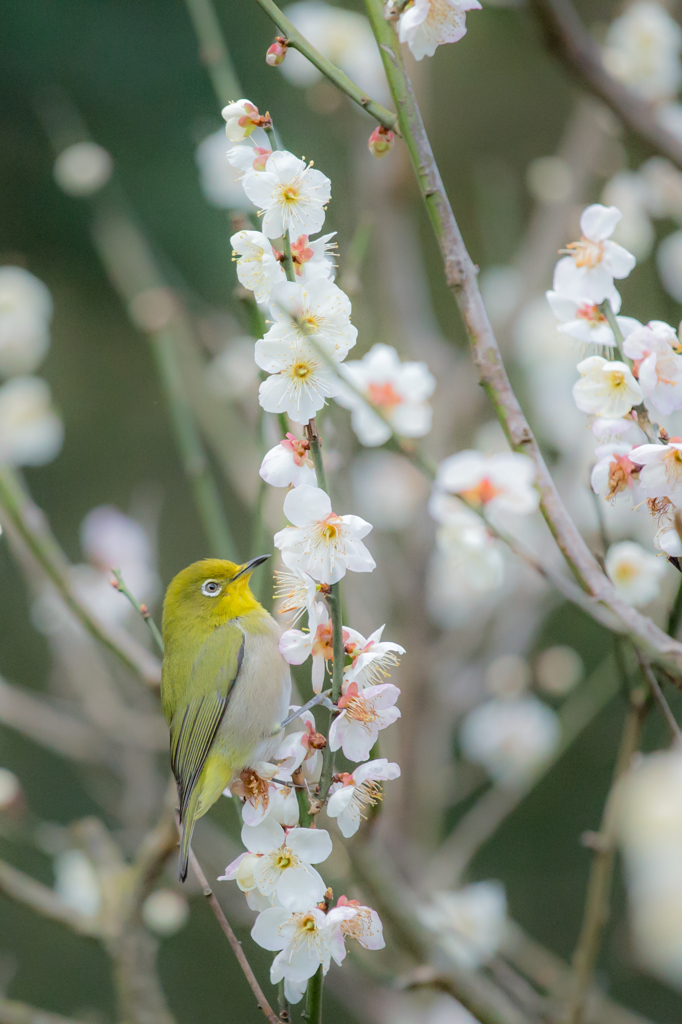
column 317, row 741
column 277, row 52
column 381, row 141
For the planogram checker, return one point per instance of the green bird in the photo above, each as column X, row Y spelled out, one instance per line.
column 225, row 688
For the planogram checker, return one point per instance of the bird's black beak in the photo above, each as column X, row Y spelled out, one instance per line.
column 249, row 567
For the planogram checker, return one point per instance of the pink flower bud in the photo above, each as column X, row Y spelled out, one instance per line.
column 381, row 141
column 277, row 52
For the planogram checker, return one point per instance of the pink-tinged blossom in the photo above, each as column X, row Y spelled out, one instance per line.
column 381, row 142
column 614, row 472
column 284, row 868
column 656, row 364
column 625, row 429
column 426, row 24
column 249, row 155
column 636, row 573
column 258, row 268
column 363, row 716
column 371, row 659
column 353, row 794
column 365, row 926
column 306, row 938
column 498, row 483
column 265, row 798
column 320, row 542
column 587, row 272
column 511, row 738
column 311, row 259
column 661, row 473
column 296, row 646
column 471, row 923
column 291, row 195
column 288, row 464
column 399, row 391
column 296, row 592
column 584, row 320
column 301, row 747
column 241, row 117
column 606, row 388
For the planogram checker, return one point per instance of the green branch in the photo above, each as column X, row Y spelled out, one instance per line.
column 298, row 42
column 213, row 52
column 141, row 609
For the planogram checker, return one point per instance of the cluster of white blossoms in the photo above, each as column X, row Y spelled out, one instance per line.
column 634, row 375
column 310, row 333
column 31, row 432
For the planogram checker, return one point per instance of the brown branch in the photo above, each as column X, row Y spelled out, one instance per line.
column 263, row 1004
column 566, row 37
column 13, row 1012
column 659, row 697
column 25, row 890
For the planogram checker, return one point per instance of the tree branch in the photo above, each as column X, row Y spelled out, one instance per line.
column 566, row 37
column 13, row 1012
column 25, row 890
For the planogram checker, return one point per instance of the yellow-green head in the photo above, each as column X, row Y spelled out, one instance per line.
column 211, row 591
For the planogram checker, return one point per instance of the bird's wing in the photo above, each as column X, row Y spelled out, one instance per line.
column 194, row 724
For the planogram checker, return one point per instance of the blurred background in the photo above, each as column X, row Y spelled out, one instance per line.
column 521, row 152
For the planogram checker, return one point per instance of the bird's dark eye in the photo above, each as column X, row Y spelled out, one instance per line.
column 210, row 588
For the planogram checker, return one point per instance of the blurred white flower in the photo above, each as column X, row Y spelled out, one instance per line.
column 669, row 264
column 82, row 169
column 76, row 882
column 315, row 309
column 629, row 192
column 289, row 464
column 606, row 387
column 623, row 430
column 511, row 738
column 663, row 187
column 354, row 794
column 241, row 118
column 427, row 24
column 587, row 272
column 320, row 542
column 558, row 670
column 165, row 912
column 642, row 49
column 635, row 573
column 233, row 372
column 219, row 181
column 31, row 432
column 497, row 483
column 112, row 540
column 291, row 195
column 471, row 923
column 343, row 37
column 398, row 390
column 550, row 179
column 657, row 365
column 508, row 676
column 10, row 789
column 585, row 322
column 25, row 315
column 667, row 539
column 258, row 268
column 387, row 489
column 661, row 473
column 500, row 287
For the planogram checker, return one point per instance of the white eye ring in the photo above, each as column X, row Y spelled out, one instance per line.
column 210, row 588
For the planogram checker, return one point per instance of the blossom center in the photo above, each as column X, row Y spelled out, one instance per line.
column 591, row 313
column 383, row 395
column 284, row 859
column 289, row 194
column 586, row 253
column 301, row 370
column 620, row 475
column 482, row 493
column 308, row 923
column 361, row 711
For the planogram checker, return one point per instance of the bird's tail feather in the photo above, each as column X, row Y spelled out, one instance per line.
column 188, row 823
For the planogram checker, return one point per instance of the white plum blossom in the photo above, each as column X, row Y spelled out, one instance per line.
column 365, row 926
column 311, row 258
column 288, row 464
column 657, row 365
column 258, row 268
column 320, row 542
column 606, row 388
column 471, row 923
column 296, row 592
column 252, row 154
column 219, row 181
column 613, row 473
column 642, row 49
column 315, row 309
column 283, row 869
column 291, row 195
column 669, row 264
column 25, row 315
column 635, row 573
column 427, row 24
column 306, row 939
column 587, row 272
column 498, row 483
column 300, row 380
column 265, row 798
column 668, row 541
column 661, row 473
column 301, row 748
column 241, row 117
column 400, row 391
column 353, row 794
column 31, row 432
column 295, row 646
column 625, row 429
column 511, row 738
column 584, row 321
column 371, row 658
column 363, row 716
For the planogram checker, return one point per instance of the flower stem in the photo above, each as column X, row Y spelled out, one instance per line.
column 141, row 609
column 607, row 310
column 213, row 52
column 313, row 435
column 313, row 1002
column 336, row 611
column 288, row 262
column 297, row 42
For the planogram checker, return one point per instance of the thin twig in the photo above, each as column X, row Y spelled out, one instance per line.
column 659, row 697
column 566, row 36
column 30, row 523
column 13, row 1012
column 340, row 79
column 263, row 1004
column 141, row 609
column 23, row 889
